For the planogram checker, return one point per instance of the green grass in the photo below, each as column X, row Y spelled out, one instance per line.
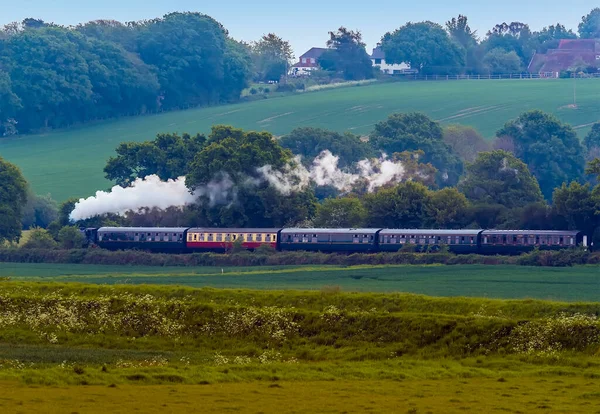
column 581, row 283
column 70, row 162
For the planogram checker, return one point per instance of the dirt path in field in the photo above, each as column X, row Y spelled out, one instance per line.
column 485, row 395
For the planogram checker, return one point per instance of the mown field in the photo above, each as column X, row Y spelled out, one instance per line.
column 509, row 282
column 69, row 163
column 88, row 348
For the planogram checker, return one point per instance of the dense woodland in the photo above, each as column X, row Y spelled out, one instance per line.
column 53, row 76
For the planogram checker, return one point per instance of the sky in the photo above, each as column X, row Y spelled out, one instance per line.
column 306, row 23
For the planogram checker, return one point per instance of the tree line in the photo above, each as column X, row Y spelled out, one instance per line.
column 533, row 175
column 457, row 49
column 53, row 76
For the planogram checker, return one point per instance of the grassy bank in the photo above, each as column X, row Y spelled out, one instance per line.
column 85, row 334
column 69, row 163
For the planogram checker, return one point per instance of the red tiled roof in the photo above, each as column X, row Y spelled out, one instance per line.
column 570, row 53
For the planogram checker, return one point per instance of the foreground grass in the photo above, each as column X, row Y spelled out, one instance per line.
column 69, row 163
column 579, row 283
column 70, row 347
column 522, row 395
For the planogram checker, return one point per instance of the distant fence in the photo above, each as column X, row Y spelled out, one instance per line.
column 491, row 77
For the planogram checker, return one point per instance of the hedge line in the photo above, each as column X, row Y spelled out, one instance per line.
column 132, row 257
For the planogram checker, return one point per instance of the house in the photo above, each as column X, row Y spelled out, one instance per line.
column 308, row 62
column 378, row 59
column 572, row 54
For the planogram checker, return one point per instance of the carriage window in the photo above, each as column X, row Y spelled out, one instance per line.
column 571, row 240
column 219, row 237
column 562, row 240
column 449, row 239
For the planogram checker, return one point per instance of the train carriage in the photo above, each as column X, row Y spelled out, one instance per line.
column 158, row 239
column 458, row 241
column 329, row 240
column 220, row 240
column 521, row 241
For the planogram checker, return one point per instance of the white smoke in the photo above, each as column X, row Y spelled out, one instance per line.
column 325, row 171
column 151, row 192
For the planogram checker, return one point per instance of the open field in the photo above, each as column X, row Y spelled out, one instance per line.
column 89, row 348
column 510, row 282
column 69, row 163
column 522, row 395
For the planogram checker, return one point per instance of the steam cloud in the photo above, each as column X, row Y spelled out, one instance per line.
column 151, row 192
column 325, row 171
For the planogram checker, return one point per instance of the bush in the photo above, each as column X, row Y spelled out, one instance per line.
column 253, row 91
column 286, row 87
column 70, row 237
column 266, row 90
column 40, row 239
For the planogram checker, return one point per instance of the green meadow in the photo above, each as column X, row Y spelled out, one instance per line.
column 580, row 283
column 69, row 163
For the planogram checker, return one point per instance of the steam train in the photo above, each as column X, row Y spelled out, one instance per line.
column 184, row 239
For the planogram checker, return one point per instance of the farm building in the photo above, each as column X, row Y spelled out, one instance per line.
column 572, row 54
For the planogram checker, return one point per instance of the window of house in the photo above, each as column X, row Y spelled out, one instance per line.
column 313, row 60
column 303, row 60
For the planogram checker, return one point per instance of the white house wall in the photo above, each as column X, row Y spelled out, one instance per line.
column 390, row 68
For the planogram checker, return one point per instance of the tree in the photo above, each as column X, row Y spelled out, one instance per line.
column 426, row 47
column 465, row 141
column 499, row 61
column 513, row 37
column 447, row 209
column 345, row 212
column 549, row 37
column 189, row 51
column 39, row 211
column 168, row 156
column 347, row 55
column 498, row 177
column 225, row 174
column 414, row 131
column 70, row 237
column 551, row 150
column 10, row 104
column 272, row 55
column 576, row 204
column 591, row 141
column 461, row 32
column 13, row 196
column 310, row 142
column 403, row 206
column 589, row 28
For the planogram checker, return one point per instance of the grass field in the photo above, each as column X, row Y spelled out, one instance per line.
column 510, row 282
column 87, row 348
column 69, row 163
column 523, row 395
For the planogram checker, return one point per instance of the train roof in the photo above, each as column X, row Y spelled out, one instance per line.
column 328, row 231
column 432, row 232
column 144, row 229
column 532, row 232
column 234, row 230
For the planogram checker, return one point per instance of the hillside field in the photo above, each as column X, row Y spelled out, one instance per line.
column 581, row 283
column 69, row 163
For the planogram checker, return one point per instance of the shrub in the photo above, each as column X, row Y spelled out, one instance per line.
column 70, row 237
column 40, row 239
column 253, row 91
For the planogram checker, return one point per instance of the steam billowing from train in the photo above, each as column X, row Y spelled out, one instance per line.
column 151, row 192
